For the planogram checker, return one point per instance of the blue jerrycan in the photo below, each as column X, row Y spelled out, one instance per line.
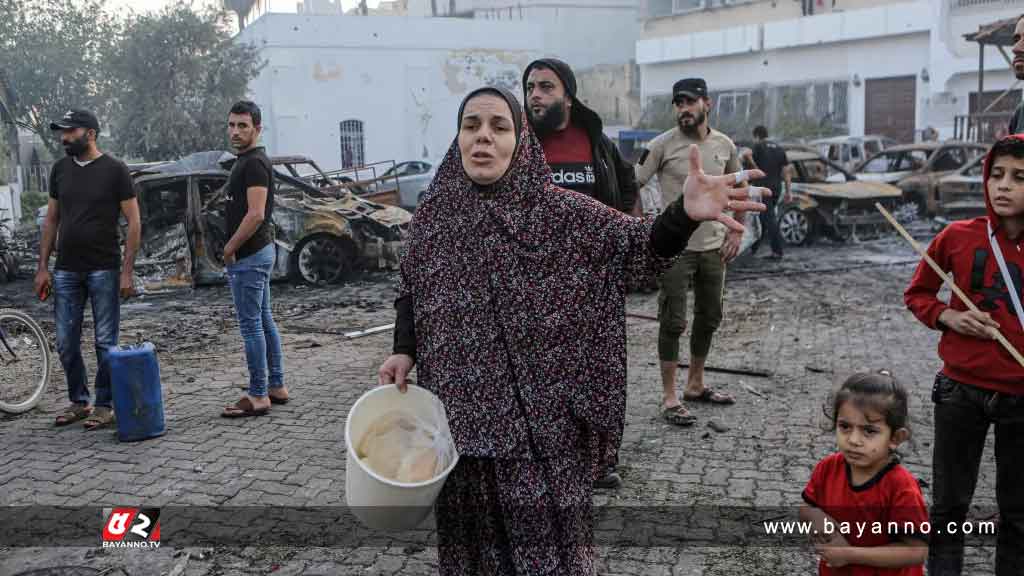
column 138, row 404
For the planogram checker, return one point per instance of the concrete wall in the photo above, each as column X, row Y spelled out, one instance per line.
column 743, row 14
column 404, row 78
column 612, row 91
column 923, row 39
column 865, row 59
column 584, row 34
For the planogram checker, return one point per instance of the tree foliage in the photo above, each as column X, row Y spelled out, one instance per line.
column 52, row 57
column 179, row 72
column 161, row 84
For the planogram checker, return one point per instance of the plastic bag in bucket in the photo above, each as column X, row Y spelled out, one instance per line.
column 403, row 447
column 394, row 441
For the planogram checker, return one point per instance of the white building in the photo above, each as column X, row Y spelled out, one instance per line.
column 583, row 33
column 862, row 66
column 350, row 90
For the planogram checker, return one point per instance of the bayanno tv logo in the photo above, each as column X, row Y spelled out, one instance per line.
column 131, row 527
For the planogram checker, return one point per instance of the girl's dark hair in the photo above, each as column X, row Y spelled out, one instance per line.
column 879, row 391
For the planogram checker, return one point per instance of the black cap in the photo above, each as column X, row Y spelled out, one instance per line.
column 690, row 87
column 76, row 119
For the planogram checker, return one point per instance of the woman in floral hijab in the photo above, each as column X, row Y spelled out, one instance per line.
column 512, row 307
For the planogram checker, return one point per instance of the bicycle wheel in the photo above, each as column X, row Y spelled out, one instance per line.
column 24, row 361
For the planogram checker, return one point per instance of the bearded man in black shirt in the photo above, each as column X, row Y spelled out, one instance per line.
column 88, row 191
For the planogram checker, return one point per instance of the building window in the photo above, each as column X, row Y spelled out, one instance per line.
column 352, row 144
column 733, row 106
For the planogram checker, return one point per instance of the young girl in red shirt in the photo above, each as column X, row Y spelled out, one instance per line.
column 868, row 513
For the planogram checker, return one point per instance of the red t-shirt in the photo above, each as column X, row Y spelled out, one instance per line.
column 892, row 496
column 571, row 159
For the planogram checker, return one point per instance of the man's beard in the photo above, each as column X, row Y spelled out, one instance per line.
column 241, row 144
column 77, row 147
column 692, row 129
column 549, row 121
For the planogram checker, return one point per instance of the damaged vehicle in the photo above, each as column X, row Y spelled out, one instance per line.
column 916, row 169
column 962, row 194
column 321, row 235
column 831, row 202
column 849, row 151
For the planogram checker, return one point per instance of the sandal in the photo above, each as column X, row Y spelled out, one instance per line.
column 73, row 413
column 242, row 409
column 278, row 399
column 710, row 396
column 678, row 415
column 101, row 418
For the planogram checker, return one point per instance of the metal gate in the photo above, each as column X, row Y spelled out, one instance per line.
column 891, row 107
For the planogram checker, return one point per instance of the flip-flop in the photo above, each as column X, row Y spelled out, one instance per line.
column 276, row 400
column 243, row 409
column 73, row 414
column 100, row 418
column 710, row 396
column 678, row 415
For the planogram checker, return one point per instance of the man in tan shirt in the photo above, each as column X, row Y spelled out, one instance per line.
column 702, row 264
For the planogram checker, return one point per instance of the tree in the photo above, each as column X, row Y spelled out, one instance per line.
column 52, row 57
column 178, row 73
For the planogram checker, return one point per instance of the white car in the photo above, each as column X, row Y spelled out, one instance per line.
column 412, row 179
column 849, row 151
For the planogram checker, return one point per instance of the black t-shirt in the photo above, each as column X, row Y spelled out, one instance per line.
column 89, row 204
column 251, row 169
column 771, row 159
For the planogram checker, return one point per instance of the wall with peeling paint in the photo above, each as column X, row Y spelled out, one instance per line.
column 402, row 77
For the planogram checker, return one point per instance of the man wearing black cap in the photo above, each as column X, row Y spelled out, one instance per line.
column 702, row 264
column 582, row 159
column 88, row 191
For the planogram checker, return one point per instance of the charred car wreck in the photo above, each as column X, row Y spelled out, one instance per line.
column 321, row 235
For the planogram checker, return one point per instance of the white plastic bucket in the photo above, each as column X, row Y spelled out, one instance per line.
column 379, row 502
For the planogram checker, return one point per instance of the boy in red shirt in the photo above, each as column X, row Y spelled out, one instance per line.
column 980, row 383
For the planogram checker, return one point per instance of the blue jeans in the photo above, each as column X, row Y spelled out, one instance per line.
column 70, row 291
column 250, row 288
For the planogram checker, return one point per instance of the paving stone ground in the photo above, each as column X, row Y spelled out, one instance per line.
column 808, row 329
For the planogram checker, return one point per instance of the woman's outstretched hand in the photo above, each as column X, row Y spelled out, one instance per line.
column 710, row 197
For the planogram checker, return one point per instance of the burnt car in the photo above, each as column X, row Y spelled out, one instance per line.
column 916, row 169
column 320, row 235
column 829, row 201
column 850, row 151
column 962, row 194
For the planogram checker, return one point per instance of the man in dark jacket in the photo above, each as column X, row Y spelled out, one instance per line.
column 584, row 160
column 581, row 157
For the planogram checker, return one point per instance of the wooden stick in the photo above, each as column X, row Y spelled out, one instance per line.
column 738, row 371
column 949, row 281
